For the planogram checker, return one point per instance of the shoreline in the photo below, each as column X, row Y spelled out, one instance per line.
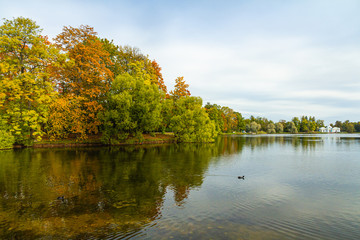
column 164, row 139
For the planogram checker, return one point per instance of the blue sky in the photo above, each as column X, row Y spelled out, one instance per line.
column 275, row 59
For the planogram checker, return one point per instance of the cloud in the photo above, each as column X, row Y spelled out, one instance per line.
column 268, row 71
column 272, row 59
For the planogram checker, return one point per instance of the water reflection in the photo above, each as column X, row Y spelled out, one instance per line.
column 102, row 192
column 67, row 193
column 299, row 142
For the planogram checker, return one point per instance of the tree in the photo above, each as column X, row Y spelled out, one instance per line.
column 320, row 123
column 122, row 57
column 7, row 140
column 240, row 122
column 339, row 124
column 85, row 75
column 180, row 90
column 167, row 109
column 290, row 127
column 156, row 76
column 215, row 114
column 297, row 123
column 133, row 106
column 26, row 88
column 357, row 127
column 304, row 125
column 279, row 127
column 254, row 127
column 263, row 123
column 271, row 128
column 230, row 119
column 348, row 126
column 190, row 122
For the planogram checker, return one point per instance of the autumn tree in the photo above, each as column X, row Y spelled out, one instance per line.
column 84, row 78
column 180, row 89
column 26, row 87
column 156, row 75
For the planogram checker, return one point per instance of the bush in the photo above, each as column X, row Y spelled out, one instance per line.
column 7, row 140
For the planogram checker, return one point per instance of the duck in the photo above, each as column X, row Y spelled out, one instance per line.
column 61, row 198
column 241, row 177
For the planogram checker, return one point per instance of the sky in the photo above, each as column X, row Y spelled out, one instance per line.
column 276, row 59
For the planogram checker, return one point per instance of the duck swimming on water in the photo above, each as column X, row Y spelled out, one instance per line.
column 241, row 177
column 61, row 198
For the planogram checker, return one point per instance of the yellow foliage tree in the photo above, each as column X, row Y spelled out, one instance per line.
column 26, row 88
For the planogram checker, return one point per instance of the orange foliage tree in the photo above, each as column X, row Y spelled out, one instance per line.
column 181, row 89
column 83, row 79
column 155, row 71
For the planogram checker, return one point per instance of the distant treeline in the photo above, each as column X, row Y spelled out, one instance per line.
column 228, row 121
column 81, row 85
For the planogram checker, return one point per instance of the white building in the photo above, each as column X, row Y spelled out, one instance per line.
column 329, row 129
column 322, row 129
column 335, row 130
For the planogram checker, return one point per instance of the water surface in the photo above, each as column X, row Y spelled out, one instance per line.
column 295, row 187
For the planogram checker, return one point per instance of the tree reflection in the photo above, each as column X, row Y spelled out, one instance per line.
column 77, row 193
column 302, row 142
column 83, row 193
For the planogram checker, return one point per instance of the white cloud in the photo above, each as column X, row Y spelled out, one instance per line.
column 259, row 58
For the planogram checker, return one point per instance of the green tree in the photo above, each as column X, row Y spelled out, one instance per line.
column 122, row 58
column 279, row 127
column 312, row 124
column 357, row 127
column 255, row 127
column 320, row 123
column 291, row 128
column 26, row 88
column 271, row 128
column 190, row 122
column 263, row 123
column 215, row 114
column 240, row 122
column 166, row 114
column 133, row 106
column 304, row 125
column 339, row 125
column 297, row 123
column 348, row 126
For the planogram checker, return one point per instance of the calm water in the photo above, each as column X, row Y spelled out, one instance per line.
column 295, row 187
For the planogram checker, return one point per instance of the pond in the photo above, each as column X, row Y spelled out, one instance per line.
column 294, row 187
